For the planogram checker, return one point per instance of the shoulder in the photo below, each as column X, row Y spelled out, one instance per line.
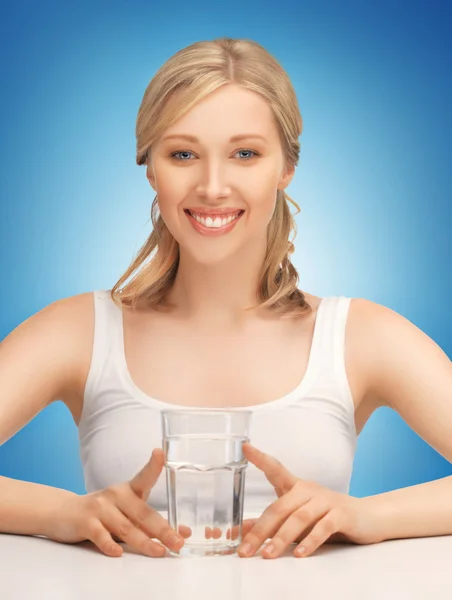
column 63, row 332
column 73, row 318
column 371, row 329
column 389, row 349
column 383, row 325
column 408, row 370
column 365, row 338
column 74, row 314
column 361, row 311
column 69, row 319
column 44, row 359
column 60, row 316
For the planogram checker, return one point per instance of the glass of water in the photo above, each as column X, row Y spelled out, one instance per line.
column 205, row 477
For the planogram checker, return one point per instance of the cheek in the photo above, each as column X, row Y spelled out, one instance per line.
column 262, row 188
column 171, row 193
column 169, row 212
column 262, row 204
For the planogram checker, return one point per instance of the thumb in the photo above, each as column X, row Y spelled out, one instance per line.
column 145, row 479
column 280, row 477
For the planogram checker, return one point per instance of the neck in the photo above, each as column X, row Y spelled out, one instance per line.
column 218, row 292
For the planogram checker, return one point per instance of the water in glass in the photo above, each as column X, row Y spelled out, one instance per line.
column 205, row 476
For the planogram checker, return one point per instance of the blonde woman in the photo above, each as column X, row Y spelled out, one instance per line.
column 209, row 315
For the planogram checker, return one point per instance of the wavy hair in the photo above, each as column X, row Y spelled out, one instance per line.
column 185, row 79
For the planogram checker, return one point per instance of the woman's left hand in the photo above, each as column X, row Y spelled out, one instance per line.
column 306, row 513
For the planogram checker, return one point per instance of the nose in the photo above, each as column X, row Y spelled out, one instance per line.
column 212, row 184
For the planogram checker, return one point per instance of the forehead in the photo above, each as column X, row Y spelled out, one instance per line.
column 226, row 112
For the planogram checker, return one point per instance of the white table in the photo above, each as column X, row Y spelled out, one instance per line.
column 35, row 568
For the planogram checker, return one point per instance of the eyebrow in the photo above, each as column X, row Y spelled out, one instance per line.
column 234, row 138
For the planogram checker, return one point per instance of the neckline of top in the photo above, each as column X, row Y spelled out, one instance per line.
column 300, row 389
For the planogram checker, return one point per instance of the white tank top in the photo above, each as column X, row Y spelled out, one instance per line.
column 311, row 430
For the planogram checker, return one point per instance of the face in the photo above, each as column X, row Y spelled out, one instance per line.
column 217, row 194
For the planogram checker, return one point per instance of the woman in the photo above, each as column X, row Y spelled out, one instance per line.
column 209, row 315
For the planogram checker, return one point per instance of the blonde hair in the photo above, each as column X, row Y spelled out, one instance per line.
column 187, row 77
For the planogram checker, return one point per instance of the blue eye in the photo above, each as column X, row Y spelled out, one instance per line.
column 174, row 154
column 252, row 152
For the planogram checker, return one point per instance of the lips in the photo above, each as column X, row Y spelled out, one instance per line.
column 201, row 210
column 214, row 224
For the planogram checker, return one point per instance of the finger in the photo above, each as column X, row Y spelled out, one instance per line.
column 149, row 520
column 214, row 533
column 184, row 531
column 145, row 479
column 247, row 525
column 116, row 522
column 319, row 534
column 297, row 523
column 101, row 537
column 273, row 517
column 274, row 471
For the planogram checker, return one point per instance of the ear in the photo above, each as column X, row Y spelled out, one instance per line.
column 150, row 175
column 286, row 177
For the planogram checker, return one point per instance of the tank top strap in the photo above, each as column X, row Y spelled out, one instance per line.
column 328, row 349
column 107, row 339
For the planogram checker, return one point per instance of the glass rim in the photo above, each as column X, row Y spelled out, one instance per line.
column 209, row 411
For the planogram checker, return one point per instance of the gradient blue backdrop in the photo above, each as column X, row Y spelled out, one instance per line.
column 374, row 87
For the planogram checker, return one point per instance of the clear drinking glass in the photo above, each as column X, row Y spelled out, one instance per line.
column 205, row 477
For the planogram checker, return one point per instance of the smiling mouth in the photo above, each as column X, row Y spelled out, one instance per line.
column 214, row 222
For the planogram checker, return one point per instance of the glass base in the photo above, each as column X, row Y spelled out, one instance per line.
column 202, row 550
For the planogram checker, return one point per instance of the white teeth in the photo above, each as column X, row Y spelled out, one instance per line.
column 215, row 223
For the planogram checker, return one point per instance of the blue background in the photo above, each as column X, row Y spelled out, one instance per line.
column 374, row 86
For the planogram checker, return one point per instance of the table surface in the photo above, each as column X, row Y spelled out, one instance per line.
column 32, row 568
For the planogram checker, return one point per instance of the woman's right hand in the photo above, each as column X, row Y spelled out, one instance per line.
column 118, row 512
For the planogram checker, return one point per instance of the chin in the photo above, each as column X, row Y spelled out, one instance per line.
column 210, row 255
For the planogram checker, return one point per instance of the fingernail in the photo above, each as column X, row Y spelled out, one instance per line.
column 269, row 549
column 245, row 548
column 299, row 550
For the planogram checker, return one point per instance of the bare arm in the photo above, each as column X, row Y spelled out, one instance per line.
column 26, row 508
column 414, row 376
column 44, row 359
